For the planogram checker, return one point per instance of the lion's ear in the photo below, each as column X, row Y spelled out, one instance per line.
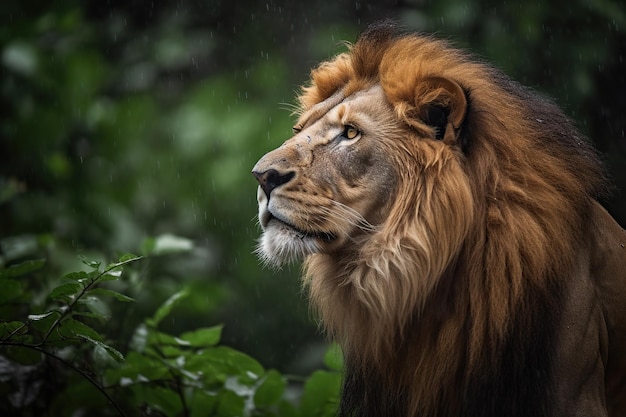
column 442, row 105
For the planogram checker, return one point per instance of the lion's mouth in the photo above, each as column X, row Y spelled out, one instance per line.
column 302, row 234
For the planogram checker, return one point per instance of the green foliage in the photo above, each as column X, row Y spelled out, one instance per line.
column 190, row 374
column 127, row 127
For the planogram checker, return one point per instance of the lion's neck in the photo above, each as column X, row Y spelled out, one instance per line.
column 386, row 351
column 428, row 357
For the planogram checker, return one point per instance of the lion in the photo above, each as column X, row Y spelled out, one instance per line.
column 451, row 238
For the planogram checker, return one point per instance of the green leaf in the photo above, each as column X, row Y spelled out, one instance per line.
column 78, row 276
column 114, row 353
column 96, row 306
column 110, row 275
column 23, row 355
column 230, row 404
column 89, row 263
column 43, row 322
column 113, row 271
column 7, row 328
column 128, row 257
column 321, row 394
column 163, row 399
column 22, row 268
column 75, row 328
column 202, row 404
column 11, row 290
column 204, row 337
column 111, row 293
column 222, row 362
column 124, row 260
column 66, row 292
column 167, row 307
column 91, row 315
column 137, row 368
column 270, row 390
column 286, row 409
column 333, row 358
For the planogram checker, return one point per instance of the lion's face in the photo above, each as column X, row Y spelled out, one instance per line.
column 331, row 182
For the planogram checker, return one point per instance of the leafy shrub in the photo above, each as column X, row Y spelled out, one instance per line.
column 57, row 356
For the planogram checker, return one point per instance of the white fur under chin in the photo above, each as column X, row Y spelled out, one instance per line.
column 279, row 244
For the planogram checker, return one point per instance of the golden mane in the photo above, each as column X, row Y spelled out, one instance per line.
column 476, row 236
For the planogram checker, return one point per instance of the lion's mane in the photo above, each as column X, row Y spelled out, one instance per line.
column 435, row 305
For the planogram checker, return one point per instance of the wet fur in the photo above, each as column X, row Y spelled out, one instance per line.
column 451, row 306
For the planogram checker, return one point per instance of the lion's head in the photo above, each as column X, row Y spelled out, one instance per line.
column 431, row 199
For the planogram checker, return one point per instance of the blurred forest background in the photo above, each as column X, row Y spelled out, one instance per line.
column 126, row 125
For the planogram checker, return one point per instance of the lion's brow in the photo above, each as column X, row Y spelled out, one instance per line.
column 320, row 109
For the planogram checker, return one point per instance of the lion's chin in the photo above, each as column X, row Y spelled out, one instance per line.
column 281, row 243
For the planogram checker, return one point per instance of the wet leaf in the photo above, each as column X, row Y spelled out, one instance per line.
column 114, row 353
column 333, row 358
column 167, row 307
column 202, row 404
column 230, row 404
column 321, row 394
column 66, row 292
column 7, row 328
column 79, row 276
column 205, row 337
column 137, row 368
column 270, row 390
column 96, row 306
column 163, row 399
column 111, row 293
column 22, row 268
column 89, row 263
column 75, row 328
column 222, row 362
column 128, row 257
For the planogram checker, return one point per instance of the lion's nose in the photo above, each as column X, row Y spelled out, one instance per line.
column 271, row 179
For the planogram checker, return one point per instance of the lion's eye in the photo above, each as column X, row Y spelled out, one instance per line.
column 350, row 132
column 296, row 129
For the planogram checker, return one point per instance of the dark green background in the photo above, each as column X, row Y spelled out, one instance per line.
column 123, row 121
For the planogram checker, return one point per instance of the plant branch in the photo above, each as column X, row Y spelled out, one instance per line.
column 75, row 369
column 87, row 287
